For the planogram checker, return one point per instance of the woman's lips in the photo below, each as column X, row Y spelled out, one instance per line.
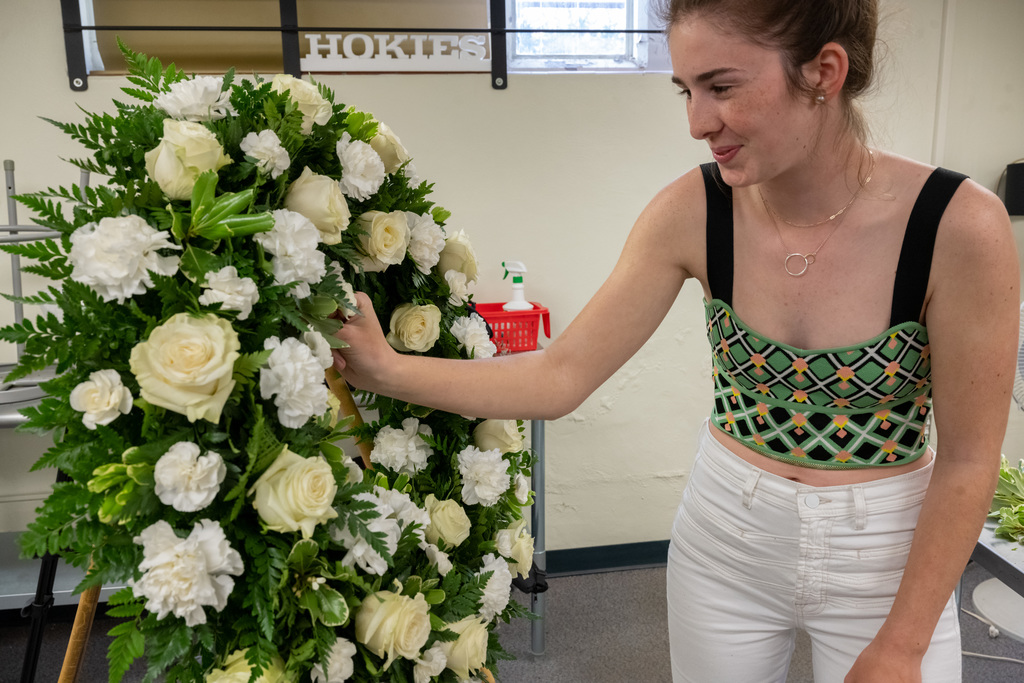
column 724, row 155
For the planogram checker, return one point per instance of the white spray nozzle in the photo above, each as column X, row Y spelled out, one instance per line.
column 518, row 302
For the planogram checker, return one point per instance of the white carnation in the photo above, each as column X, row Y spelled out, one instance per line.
column 359, row 550
column 339, row 663
column 522, row 485
column 295, row 378
column 471, row 331
column 458, row 287
column 429, row 664
column 412, row 174
column 186, row 480
column 115, row 256
column 484, row 475
column 402, row 450
column 438, row 558
column 198, row 99
column 101, row 398
column 232, row 292
column 183, row 575
column 320, row 347
column 350, row 294
column 362, row 171
column 426, row 240
column 405, row 511
column 265, row 147
column 498, row 588
column 293, row 242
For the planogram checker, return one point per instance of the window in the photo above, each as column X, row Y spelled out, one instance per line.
column 603, row 48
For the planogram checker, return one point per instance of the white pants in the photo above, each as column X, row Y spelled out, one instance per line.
column 755, row 556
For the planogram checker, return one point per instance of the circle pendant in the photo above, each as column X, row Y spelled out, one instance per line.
column 806, row 261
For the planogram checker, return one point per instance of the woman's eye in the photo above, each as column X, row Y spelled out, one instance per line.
column 685, row 93
column 720, row 89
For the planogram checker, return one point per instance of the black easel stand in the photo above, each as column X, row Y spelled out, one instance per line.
column 40, row 607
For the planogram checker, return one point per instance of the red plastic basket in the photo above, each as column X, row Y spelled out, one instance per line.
column 515, row 330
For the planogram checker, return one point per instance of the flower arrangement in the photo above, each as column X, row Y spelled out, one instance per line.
column 191, row 323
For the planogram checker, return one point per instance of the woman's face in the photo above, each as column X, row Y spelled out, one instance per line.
column 738, row 101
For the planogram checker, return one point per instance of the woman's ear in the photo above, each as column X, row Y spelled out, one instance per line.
column 826, row 73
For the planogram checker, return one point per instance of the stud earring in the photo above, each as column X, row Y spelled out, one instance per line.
column 820, row 99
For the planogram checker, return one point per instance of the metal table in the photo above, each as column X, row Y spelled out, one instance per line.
column 1001, row 558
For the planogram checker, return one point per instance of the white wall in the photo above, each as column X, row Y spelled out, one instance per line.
column 553, row 171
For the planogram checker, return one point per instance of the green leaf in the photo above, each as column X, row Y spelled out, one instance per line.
column 332, row 605
column 303, row 555
column 235, row 226
column 196, row 263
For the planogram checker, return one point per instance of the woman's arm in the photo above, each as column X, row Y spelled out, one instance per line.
column 549, row 383
column 972, row 317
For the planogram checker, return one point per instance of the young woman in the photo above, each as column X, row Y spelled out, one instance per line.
column 847, row 292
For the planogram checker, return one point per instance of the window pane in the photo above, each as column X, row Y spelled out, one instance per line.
column 572, row 14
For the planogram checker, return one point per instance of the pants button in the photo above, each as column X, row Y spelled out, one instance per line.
column 812, row 500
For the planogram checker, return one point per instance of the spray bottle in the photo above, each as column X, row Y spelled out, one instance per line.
column 518, row 302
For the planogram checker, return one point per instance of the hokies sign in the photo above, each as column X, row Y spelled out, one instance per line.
column 364, row 52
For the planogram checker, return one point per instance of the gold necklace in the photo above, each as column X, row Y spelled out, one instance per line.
column 809, row 257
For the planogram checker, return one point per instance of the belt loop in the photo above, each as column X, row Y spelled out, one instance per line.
column 861, row 519
column 749, row 486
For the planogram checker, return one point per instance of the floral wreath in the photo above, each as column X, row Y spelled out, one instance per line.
column 190, row 326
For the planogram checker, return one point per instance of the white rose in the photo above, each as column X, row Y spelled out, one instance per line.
column 265, row 147
column 184, row 575
column 484, row 475
column 414, row 328
column 458, row 255
column 293, row 242
column 458, row 287
column 471, row 332
column 501, row 434
column 498, row 589
column 236, row 669
column 186, row 365
column 522, row 485
column 384, row 239
column 516, row 544
column 438, row 558
column 362, row 171
column 448, row 521
column 115, row 255
column 426, row 240
column 469, row 652
column 102, row 397
column 186, row 480
column 402, row 450
column 314, row 108
column 387, row 145
column 232, row 292
column 295, row 378
column 295, row 493
column 201, row 98
column 319, row 199
column 340, row 666
column 393, row 626
column 359, row 550
column 187, row 150
column 320, row 347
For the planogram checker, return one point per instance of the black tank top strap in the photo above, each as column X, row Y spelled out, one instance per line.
column 915, row 263
column 719, row 233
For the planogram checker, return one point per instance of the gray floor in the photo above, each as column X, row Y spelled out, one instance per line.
column 601, row 628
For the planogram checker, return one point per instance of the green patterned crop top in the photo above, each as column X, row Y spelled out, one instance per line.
column 858, row 406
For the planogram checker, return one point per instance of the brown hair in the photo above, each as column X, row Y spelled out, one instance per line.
column 799, row 29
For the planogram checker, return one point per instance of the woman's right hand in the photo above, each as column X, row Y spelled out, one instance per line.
column 362, row 364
